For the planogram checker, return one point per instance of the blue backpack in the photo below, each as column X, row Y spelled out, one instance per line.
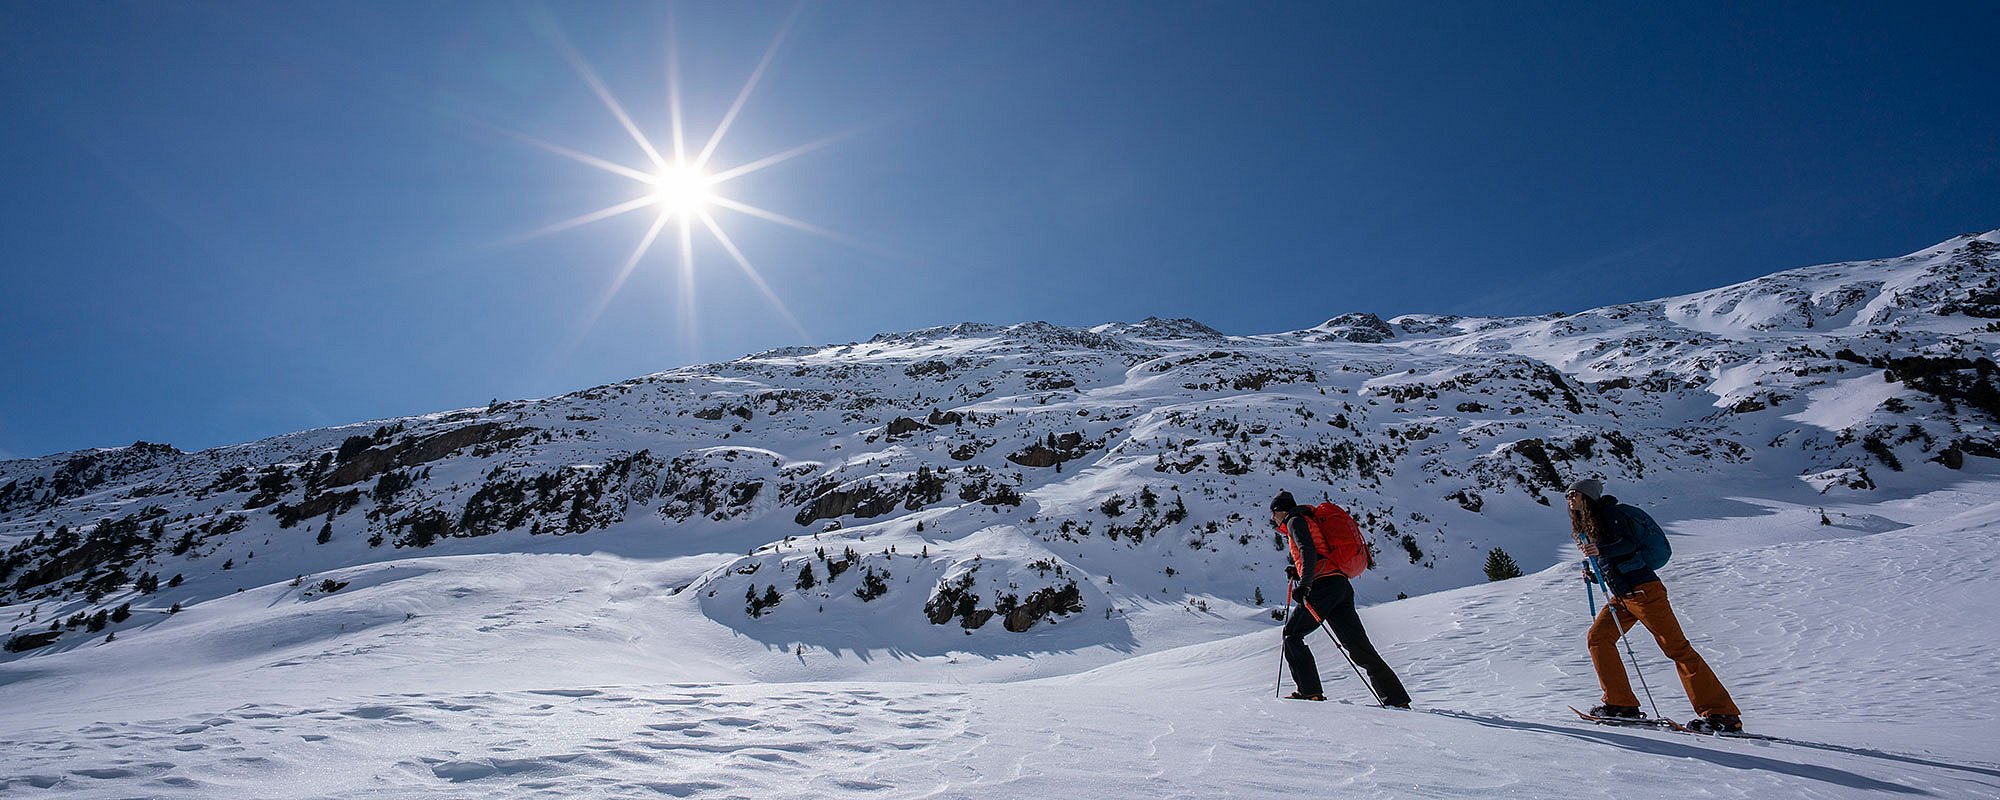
column 1653, row 547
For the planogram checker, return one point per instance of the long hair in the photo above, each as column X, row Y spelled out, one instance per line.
column 1584, row 521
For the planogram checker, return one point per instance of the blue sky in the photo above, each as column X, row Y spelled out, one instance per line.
column 223, row 221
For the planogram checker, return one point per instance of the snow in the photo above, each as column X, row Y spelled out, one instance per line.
column 1869, row 648
column 600, row 642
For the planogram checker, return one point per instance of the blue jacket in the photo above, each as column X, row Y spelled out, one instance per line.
column 1618, row 552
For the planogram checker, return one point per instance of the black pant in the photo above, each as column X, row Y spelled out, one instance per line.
column 1333, row 597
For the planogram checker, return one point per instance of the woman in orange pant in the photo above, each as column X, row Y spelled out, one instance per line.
column 1609, row 533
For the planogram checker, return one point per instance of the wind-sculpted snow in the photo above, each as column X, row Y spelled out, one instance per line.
column 1036, row 488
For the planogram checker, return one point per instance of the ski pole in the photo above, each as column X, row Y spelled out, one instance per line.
column 1590, row 593
column 1323, row 625
column 1279, row 688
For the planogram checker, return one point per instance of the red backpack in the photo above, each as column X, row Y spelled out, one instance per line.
column 1338, row 540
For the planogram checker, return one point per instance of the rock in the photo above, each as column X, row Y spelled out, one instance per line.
column 1049, row 600
column 904, row 426
column 376, row 460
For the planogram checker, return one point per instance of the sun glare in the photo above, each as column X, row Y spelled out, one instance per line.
column 682, row 190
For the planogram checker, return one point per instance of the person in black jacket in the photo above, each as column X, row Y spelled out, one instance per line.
column 1605, row 532
column 1324, row 594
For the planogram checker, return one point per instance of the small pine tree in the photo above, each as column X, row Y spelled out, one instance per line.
column 1500, row 566
column 806, row 578
column 176, row 609
column 1257, row 596
column 174, row 581
column 122, row 613
column 229, row 563
column 325, row 533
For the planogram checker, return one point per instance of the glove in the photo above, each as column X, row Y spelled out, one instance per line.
column 1588, row 576
column 1291, row 573
column 1299, row 592
column 1588, row 547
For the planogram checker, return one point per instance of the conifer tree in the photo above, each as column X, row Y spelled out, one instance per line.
column 1500, row 566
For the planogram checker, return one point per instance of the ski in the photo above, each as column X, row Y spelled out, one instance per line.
column 1667, row 724
column 1640, row 722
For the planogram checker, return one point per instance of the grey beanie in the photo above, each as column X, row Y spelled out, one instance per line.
column 1588, row 487
column 1283, row 502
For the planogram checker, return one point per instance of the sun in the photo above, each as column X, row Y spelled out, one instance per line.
column 683, row 190
column 680, row 188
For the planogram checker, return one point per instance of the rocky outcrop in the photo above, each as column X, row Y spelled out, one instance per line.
column 411, row 452
column 1043, row 603
column 862, row 501
column 1053, row 450
column 904, row 426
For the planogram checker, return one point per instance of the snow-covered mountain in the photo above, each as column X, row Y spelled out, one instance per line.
column 990, row 480
column 975, row 504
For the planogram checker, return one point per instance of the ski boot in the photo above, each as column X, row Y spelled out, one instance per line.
column 1609, row 711
column 1716, row 723
column 1304, row 696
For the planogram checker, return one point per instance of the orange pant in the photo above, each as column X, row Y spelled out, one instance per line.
column 1647, row 604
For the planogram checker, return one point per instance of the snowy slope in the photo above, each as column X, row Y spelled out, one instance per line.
column 1869, row 649
column 1003, row 525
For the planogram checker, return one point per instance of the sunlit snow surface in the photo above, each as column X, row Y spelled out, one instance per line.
column 1875, row 648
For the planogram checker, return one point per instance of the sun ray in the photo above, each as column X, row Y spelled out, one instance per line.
column 612, row 167
column 781, row 219
column 688, row 321
column 604, row 93
column 738, row 172
column 754, row 276
column 674, row 88
column 626, row 207
column 624, row 272
column 749, row 86
column 617, row 283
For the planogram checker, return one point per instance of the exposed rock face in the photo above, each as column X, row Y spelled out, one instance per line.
column 864, row 501
column 409, row 453
column 1357, row 327
column 1042, row 604
column 904, row 426
column 1068, row 446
